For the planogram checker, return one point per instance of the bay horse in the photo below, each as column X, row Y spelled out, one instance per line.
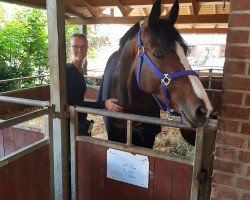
column 150, row 72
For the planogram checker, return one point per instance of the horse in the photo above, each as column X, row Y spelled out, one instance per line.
column 149, row 73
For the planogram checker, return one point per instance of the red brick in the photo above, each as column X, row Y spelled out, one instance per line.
column 239, row 20
column 236, row 83
column 232, row 97
column 230, row 167
column 240, row 5
column 235, row 112
column 231, row 141
column 248, row 171
column 232, row 67
column 243, row 183
column 244, row 156
column 237, row 52
column 245, row 129
column 237, row 37
column 219, row 192
column 227, row 125
column 246, row 196
column 248, row 99
column 222, row 179
column 225, row 153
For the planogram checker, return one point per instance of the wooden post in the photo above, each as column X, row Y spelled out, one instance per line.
column 57, row 61
column 83, row 29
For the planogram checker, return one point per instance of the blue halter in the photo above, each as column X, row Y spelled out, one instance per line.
column 165, row 78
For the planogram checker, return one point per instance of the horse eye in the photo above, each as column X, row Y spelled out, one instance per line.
column 158, row 54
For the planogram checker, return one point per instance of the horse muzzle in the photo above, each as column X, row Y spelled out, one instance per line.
column 196, row 118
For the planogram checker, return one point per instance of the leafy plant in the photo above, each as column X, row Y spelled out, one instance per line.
column 23, row 45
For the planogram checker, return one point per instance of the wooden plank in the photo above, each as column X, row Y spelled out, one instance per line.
column 168, row 180
column 1, row 144
column 182, row 180
column 99, row 172
column 123, row 191
column 8, row 140
column 182, row 19
column 38, row 136
column 163, row 179
column 172, row 180
column 84, row 170
column 23, row 138
column 105, row 3
column 27, row 177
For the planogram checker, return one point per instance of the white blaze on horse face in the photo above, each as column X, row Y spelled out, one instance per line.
column 196, row 83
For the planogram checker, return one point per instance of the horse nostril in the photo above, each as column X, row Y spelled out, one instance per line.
column 200, row 111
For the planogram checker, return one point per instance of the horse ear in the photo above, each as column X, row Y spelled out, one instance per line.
column 173, row 14
column 155, row 13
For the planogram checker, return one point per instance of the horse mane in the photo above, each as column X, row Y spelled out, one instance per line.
column 162, row 30
column 168, row 34
column 129, row 35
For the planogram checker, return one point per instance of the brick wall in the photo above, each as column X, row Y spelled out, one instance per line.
column 231, row 175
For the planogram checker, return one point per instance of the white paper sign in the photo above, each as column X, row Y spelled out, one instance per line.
column 128, row 168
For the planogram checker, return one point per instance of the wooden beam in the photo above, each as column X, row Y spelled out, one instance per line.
column 144, row 11
column 82, row 12
column 77, row 11
column 195, row 7
column 200, row 19
column 142, row 3
column 59, row 138
column 90, row 8
column 203, row 30
column 42, row 3
column 182, row 19
column 124, row 10
column 29, row 3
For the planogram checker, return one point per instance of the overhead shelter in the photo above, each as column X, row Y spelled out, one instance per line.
column 204, row 16
column 196, row 16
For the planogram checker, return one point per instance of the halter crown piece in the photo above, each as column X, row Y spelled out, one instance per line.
column 165, row 78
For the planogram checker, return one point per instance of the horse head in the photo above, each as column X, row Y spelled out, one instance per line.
column 157, row 56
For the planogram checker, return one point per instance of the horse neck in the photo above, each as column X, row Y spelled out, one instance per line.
column 130, row 96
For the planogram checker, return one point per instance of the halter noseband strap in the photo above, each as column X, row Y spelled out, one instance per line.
column 165, row 78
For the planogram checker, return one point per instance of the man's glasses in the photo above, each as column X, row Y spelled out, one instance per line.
column 79, row 47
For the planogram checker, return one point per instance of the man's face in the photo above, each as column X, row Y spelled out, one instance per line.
column 78, row 48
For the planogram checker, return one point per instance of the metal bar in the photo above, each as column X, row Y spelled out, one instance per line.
column 213, row 90
column 211, row 79
column 73, row 160
column 129, row 133
column 27, row 127
column 132, row 117
column 23, row 151
column 22, row 78
column 49, row 133
column 29, row 102
column 137, row 150
column 19, row 85
column 23, row 118
column 197, row 162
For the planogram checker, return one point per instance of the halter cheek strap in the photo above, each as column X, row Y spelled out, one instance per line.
column 165, row 78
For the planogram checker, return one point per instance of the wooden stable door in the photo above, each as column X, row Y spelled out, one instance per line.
column 167, row 180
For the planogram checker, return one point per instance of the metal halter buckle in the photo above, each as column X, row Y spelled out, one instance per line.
column 141, row 50
column 170, row 116
column 166, row 80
